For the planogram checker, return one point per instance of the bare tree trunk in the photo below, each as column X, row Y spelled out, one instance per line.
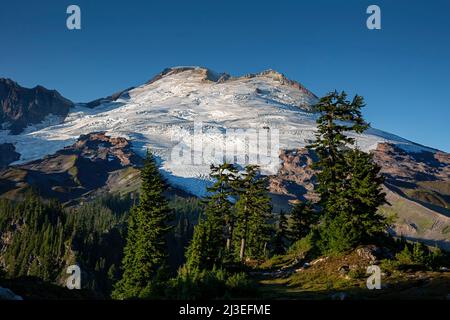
column 230, row 237
column 241, row 253
column 244, row 238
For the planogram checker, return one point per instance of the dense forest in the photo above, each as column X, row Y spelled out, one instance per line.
column 40, row 238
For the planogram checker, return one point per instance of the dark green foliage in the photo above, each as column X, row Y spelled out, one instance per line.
column 97, row 229
column 419, row 256
column 220, row 203
column 338, row 234
column 363, row 194
column 253, row 212
column 44, row 238
column 303, row 218
column 209, row 284
column 187, row 212
column 93, row 235
column 145, row 252
column 349, row 182
column 212, row 235
column 337, row 116
column 351, row 216
column 35, row 233
column 196, row 257
column 280, row 243
column 230, row 231
column 206, row 249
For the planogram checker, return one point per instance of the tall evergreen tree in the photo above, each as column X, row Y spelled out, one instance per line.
column 145, row 252
column 225, row 177
column 196, row 253
column 213, row 234
column 337, row 116
column 303, row 217
column 281, row 234
column 349, row 184
column 363, row 194
column 253, row 211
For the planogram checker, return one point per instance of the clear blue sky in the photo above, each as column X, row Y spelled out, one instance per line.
column 402, row 70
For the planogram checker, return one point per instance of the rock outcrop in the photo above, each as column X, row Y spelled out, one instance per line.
column 20, row 107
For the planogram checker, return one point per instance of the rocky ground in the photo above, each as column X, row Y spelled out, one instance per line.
column 344, row 277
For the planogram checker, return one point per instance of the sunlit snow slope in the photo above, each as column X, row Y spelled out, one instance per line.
column 160, row 115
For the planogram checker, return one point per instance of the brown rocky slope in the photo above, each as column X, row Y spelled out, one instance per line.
column 95, row 163
column 417, row 187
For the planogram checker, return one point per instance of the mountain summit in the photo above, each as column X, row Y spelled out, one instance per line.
column 188, row 116
column 160, row 114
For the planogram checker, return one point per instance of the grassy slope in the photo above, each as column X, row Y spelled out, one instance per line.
column 415, row 221
column 323, row 280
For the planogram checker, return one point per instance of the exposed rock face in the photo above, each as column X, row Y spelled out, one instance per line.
column 401, row 167
column 94, row 163
column 98, row 146
column 417, row 187
column 283, row 80
column 8, row 154
column 373, row 254
column 22, row 106
column 111, row 98
column 295, row 177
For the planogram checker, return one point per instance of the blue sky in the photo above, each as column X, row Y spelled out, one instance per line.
column 402, row 70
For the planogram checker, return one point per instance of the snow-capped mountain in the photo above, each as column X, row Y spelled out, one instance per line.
column 191, row 117
column 183, row 107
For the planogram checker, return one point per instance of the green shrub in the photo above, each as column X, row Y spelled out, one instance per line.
column 303, row 247
column 239, row 283
column 357, row 273
column 389, row 265
column 208, row 284
column 193, row 285
column 419, row 255
column 338, row 234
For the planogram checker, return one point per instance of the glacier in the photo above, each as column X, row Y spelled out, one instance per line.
column 160, row 115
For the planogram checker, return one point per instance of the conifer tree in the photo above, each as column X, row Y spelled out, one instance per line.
column 363, row 194
column 281, row 235
column 213, row 234
column 337, row 116
column 349, row 184
column 145, row 252
column 303, row 218
column 253, row 211
column 225, row 176
column 355, row 219
column 196, row 253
